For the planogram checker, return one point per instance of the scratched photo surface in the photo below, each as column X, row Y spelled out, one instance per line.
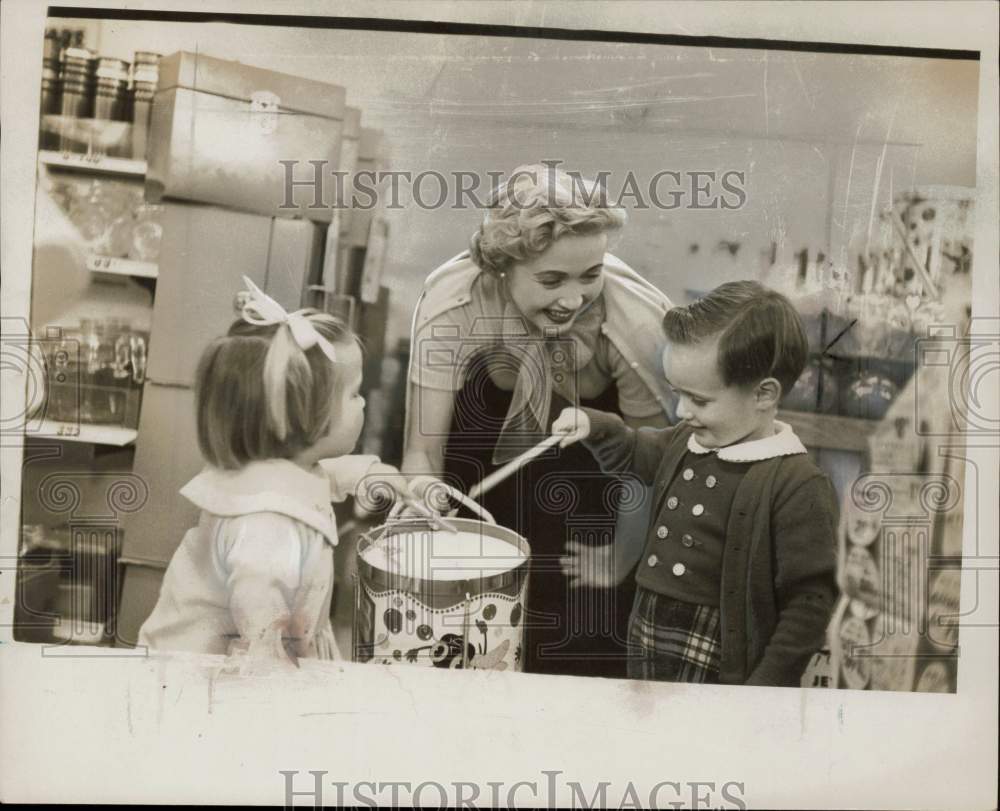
column 172, row 164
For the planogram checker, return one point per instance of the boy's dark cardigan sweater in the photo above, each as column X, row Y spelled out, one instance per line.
column 779, row 565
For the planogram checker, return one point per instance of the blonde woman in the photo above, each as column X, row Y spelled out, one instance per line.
column 535, row 316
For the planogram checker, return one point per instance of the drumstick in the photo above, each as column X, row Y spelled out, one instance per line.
column 475, row 507
column 436, row 520
column 498, row 476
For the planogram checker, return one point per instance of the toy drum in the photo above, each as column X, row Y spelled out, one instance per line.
column 437, row 598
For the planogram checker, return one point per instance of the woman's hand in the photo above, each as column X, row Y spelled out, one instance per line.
column 589, row 565
column 574, row 424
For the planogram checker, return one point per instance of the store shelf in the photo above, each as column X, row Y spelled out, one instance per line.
column 89, row 163
column 84, row 432
column 830, row 432
column 123, row 267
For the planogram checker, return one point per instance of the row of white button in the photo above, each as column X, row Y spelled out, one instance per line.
column 678, row 568
column 696, row 510
column 710, row 481
column 662, row 532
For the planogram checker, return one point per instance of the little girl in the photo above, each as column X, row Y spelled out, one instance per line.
column 278, row 409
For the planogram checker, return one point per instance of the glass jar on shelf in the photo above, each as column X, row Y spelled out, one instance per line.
column 120, row 384
column 117, row 239
column 147, row 233
column 63, row 398
column 137, row 357
column 114, row 200
column 105, row 391
column 91, row 335
column 86, row 212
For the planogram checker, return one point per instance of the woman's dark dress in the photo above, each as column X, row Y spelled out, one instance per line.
column 556, row 498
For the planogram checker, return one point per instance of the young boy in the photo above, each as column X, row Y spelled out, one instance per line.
column 737, row 580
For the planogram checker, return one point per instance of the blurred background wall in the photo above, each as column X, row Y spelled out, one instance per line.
column 825, row 140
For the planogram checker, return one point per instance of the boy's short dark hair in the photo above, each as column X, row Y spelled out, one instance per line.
column 760, row 333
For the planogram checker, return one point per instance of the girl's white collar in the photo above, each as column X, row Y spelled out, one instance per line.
column 783, row 443
column 274, row 485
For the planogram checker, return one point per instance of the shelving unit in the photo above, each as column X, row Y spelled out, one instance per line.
column 116, row 167
column 92, row 441
column 85, row 432
column 121, row 167
column 122, row 267
column 93, row 164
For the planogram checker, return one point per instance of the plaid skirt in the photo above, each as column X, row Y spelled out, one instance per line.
column 670, row 640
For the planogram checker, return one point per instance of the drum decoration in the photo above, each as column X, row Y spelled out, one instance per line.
column 435, row 598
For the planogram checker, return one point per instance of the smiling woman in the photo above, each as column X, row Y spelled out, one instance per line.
column 552, row 289
column 538, row 315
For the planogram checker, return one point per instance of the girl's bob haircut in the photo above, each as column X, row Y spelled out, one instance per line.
column 236, row 422
column 536, row 206
column 760, row 333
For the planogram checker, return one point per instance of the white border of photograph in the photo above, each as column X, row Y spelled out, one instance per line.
column 119, row 727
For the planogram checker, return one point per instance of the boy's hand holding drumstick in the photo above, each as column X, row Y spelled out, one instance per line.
column 584, row 565
column 574, row 424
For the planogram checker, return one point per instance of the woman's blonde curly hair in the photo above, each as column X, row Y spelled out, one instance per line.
column 537, row 205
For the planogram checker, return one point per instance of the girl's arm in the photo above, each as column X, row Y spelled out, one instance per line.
column 371, row 481
column 346, row 473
